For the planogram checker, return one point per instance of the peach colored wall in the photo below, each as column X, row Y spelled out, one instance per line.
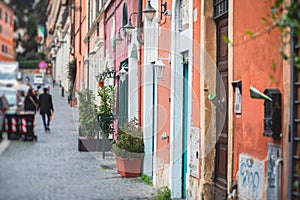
column 6, row 36
column 163, row 89
column 80, row 51
column 252, row 60
column 196, row 73
column 196, row 67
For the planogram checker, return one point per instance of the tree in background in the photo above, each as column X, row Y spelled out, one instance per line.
column 28, row 15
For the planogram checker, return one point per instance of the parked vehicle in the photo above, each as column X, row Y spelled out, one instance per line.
column 8, row 73
column 13, row 98
column 38, row 79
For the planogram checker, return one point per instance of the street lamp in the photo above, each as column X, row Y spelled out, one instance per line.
column 118, row 37
column 149, row 11
column 111, row 73
column 122, row 74
column 129, row 25
column 159, row 68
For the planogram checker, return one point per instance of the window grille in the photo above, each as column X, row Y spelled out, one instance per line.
column 220, row 8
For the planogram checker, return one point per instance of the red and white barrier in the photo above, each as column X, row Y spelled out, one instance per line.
column 13, row 125
column 23, row 126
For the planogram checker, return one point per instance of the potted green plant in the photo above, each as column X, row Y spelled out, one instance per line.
column 105, row 109
column 129, row 149
column 88, row 121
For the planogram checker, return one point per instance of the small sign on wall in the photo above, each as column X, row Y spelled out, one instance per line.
column 237, row 86
column 237, row 101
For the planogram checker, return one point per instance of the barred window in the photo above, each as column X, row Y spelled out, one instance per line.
column 220, row 8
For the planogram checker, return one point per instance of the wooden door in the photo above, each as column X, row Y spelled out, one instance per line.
column 221, row 116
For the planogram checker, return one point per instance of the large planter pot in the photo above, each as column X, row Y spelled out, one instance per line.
column 129, row 167
column 85, row 144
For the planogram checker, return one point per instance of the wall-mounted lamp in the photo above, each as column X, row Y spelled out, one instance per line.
column 99, row 77
column 149, row 11
column 111, row 73
column 61, row 41
column 118, row 37
column 129, row 25
column 159, row 68
column 123, row 74
column 87, row 60
column 164, row 10
column 219, row 104
column 108, row 73
column 93, row 52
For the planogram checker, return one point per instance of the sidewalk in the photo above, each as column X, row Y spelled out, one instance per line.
column 59, row 101
column 4, row 143
column 52, row 167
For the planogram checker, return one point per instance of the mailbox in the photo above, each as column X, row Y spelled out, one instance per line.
column 272, row 114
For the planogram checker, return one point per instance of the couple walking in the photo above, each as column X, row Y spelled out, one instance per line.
column 43, row 103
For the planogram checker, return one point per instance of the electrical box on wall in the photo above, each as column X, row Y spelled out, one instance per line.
column 272, row 114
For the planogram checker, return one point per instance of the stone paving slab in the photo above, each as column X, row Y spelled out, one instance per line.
column 52, row 167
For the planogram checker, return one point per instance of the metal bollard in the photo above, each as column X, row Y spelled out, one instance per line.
column 62, row 91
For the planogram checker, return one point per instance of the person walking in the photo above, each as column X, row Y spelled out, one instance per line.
column 30, row 102
column 46, row 108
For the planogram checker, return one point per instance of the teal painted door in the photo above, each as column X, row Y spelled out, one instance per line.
column 185, row 128
column 123, row 97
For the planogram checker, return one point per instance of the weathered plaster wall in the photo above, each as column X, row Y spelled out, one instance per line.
column 253, row 58
column 208, row 126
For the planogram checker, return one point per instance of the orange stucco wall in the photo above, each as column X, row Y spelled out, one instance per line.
column 163, row 89
column 253, row 58
column 6, row 34
column 80, row 28
column 196, row 66
column 196, row 71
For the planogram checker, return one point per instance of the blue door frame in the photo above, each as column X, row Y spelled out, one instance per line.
column 185, row 127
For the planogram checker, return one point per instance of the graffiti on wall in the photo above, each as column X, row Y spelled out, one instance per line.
column 274, row 152
column 250, row 177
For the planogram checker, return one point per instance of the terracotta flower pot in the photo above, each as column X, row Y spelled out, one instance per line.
column 100, row 83
column 129, row 167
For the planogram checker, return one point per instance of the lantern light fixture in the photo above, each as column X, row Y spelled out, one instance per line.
column 159, row 68
column 149, row 11
column 123, row 74
column 129, row 25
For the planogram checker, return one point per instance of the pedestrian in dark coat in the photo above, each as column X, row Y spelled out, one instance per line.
column 30, row 102
column 46, row 108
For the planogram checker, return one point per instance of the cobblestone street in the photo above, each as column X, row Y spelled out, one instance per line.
column 53, row 168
